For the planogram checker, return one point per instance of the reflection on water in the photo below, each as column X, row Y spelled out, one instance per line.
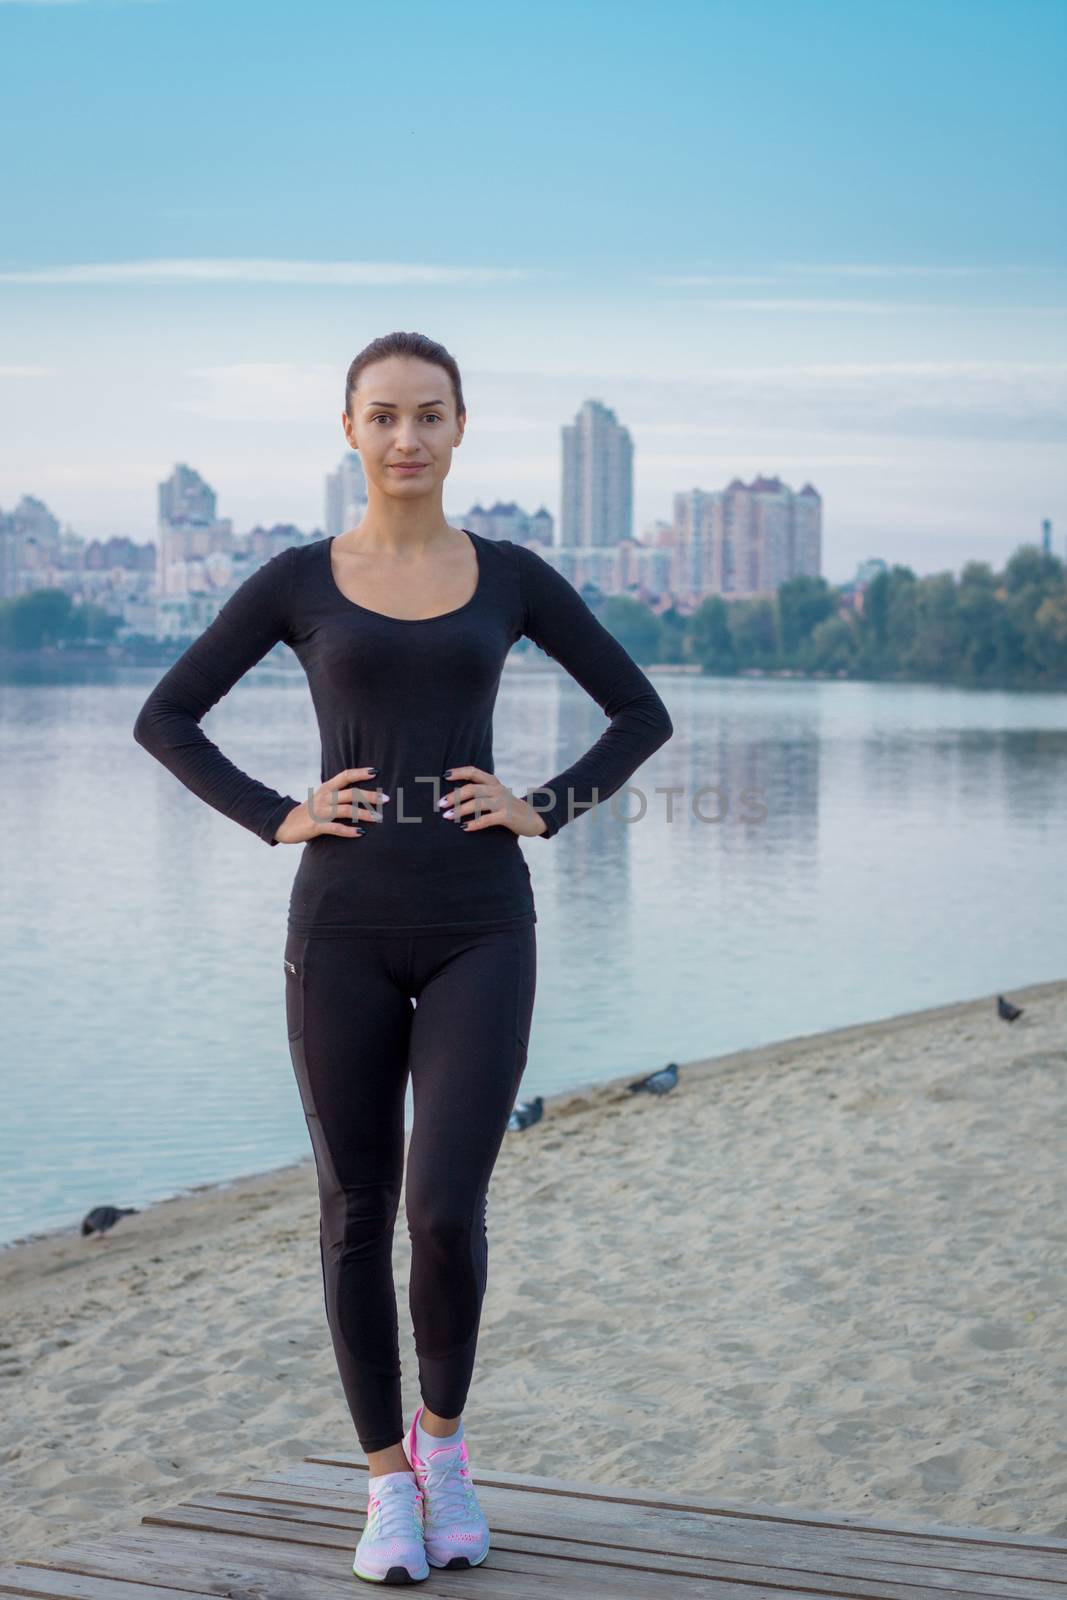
column 806, row 855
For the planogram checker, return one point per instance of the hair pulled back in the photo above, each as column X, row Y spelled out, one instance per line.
column 418, row 345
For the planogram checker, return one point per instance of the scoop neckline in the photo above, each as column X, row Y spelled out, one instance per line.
column 383, row 616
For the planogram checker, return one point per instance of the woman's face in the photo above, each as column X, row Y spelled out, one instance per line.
column 403, row 410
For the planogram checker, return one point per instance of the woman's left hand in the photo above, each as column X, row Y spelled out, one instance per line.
column 482, row 801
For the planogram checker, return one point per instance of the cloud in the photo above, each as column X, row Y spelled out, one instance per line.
column 1006, row 401
column 877, row 269
column 78, row 2
column 266, row 391
column 865, row 307
column 253, row 270
column 708, row 280
column 869, row 307
column 805, row 463
column 996, row 401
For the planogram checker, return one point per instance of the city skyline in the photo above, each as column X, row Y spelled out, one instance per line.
column 765, row 257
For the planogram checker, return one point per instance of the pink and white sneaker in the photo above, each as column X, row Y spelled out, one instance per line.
column 390, row 1548
column 455, row 1530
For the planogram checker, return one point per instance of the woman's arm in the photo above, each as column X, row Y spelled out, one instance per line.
column 251, row 621
column 557, row 618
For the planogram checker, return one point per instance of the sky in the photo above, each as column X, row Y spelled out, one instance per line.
column 798, row 237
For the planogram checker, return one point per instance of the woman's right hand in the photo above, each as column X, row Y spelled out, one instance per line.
column 299, row 825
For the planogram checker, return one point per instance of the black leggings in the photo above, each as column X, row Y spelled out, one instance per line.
column 353, row 1038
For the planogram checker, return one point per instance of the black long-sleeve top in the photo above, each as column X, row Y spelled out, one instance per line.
column 412, row 698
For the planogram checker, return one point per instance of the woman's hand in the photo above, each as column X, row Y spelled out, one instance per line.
column 299, row 824
column 484, row 802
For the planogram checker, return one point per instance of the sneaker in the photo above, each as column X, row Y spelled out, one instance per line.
column 390, row 1548
column 455, row 1531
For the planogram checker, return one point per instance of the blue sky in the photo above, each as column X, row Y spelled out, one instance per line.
column 783, row 236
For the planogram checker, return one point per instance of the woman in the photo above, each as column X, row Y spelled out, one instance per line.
column 402, row 625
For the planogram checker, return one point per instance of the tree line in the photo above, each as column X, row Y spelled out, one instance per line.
column 980, row 630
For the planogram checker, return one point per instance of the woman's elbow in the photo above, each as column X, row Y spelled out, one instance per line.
column 661, row 720
column 146, row 724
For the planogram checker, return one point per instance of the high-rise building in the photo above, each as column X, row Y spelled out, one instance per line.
column 507, row 520
column 9, row 556
column 693, row 568
column 191, row 537
column 596, row 500
column 33, row 548
column 185, row 497
column 746, row 539
column 346, row 495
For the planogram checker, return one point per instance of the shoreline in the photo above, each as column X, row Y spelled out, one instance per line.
column 569, row 1102
column 833, row 1263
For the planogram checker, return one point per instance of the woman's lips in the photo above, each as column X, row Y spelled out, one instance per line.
column 414, row 467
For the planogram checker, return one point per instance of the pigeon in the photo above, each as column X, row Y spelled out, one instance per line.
column 660, row 1082
column 1006, row 1011
column 101, row 1218
column 526, row 1113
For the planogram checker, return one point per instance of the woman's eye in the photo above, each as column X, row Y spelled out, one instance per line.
column 385, row 414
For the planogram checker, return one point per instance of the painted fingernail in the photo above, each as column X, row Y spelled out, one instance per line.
column 443, row 801
column 448, row 774
column 450, row 812
column 373, row 771
column 464, row 825
column 386, row 797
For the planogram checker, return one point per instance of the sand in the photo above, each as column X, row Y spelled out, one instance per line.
column 827, row 1274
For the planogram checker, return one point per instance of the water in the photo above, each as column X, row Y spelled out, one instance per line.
column 909, row 853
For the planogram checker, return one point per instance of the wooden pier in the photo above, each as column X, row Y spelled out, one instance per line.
column 291, row 1535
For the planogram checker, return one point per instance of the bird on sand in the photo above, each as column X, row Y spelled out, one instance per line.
column 1006, row 1011
column 101, row 1218
column 660, row 1082
column 526, row 1113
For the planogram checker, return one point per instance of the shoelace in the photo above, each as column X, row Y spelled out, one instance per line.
column 449, row 1491
column 394, row 1511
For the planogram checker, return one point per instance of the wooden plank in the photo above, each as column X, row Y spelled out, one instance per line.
column 291, row 1534
column 258, row 1572
column 22, row 1578
column 273, row 1570
column 525, row 1552
column 685, row 1556
column 579, row 1488
column 630, row 1524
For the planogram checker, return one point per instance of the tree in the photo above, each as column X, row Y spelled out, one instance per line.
column 831, row 646
column 633, row 624
column 902, row 621
column 710, row 640
column 1030, row 567
column 754, row 625
column 978, row 608
column 803, row 603
column 936, row 649
column 673, row 634
column 32, row 620
column 1050, row 636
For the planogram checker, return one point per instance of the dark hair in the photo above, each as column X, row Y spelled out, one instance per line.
column 405, row 344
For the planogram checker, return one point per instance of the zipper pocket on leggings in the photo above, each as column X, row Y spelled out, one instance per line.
column 294, row 998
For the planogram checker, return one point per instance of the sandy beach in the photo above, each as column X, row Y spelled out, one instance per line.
column 826, row 1274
